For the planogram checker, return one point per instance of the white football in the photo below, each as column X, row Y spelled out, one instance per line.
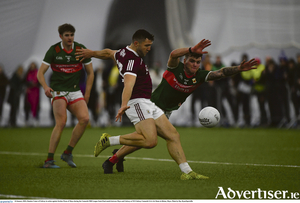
column 209, row 117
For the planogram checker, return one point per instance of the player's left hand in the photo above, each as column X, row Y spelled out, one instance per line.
column 121, row 112
column 198, row 48
column 83, row 53
column 251, row 64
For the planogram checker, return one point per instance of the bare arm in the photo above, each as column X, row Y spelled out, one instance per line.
column 129, row 81
column 177, row 53
column 104, row 54
column 89, row 81
column 41, row 78
column 230, row 71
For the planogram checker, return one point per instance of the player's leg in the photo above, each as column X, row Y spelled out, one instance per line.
column 60, row 116
column 168, row 132
column 125, row 150
column 140, row 114
column 80, row 111
column 144, row 137
column 118, row 159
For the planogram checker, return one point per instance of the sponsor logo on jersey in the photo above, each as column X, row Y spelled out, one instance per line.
column 68, row 58
column 59, row 58
column 66, row 68
column 180, row 76
column 174, row 83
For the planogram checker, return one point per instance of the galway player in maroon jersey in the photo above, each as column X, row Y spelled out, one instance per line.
column 148, row 119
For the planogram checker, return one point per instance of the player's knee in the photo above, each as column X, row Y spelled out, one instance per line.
column 84, row 120
column 176, row 136
column 151, row 143
column 61, row 124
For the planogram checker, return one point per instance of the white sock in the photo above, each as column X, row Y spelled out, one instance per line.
column 114, row 140
column 185, row 167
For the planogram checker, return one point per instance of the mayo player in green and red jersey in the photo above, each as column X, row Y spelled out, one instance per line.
column 65, row 92
column 179, row 81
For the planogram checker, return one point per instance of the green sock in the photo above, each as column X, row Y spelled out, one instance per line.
column 50, row 156
column 69, row 150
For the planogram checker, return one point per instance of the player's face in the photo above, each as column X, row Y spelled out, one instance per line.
column 67, row 38
column 192, row 65
column 144, row 47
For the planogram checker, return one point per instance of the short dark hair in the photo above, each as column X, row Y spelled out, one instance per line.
column 195, row 55
column 66, row 28
column 141, row 35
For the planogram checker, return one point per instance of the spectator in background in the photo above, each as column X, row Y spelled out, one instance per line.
column 272, row 93
column 111, row 88
column 259, row 89
column 244, row 81
column 96, row 101
column 3, row 84
column 297, row 86
column 282, row 91
column 32, row 94
column 223, row 90
column 292, row 82
column 15, row 92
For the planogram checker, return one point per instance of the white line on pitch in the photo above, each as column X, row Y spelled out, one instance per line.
column 22, row 197
column 153, row 159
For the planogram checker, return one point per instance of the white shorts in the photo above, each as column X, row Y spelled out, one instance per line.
column 69, row 97
column 141, row 109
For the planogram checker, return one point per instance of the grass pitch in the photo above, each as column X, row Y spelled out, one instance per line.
column 240, row 159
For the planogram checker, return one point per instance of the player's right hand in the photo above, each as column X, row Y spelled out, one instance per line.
column 121, row 112
column 48, row 91
column 83, row 54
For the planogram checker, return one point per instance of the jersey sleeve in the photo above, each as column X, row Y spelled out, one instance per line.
column 132, row 67
column 49, row 56
column 172, row 68
column 206, row 73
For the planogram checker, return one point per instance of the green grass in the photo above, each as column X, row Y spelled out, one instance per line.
column 225, row 155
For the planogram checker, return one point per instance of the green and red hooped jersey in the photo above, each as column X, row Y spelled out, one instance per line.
column 176, row 86
column 66, row 69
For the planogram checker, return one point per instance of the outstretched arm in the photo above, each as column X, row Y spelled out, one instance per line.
column 177, row 53
column 102, row 54
column 230, row 71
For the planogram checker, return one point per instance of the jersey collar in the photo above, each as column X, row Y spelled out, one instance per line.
column 68, row 52
column 132, row 51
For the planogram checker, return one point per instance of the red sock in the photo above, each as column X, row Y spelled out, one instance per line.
column 67, row 152
column 114, row 159
column 48, row 159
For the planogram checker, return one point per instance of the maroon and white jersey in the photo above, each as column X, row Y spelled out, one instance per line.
column 129, row 62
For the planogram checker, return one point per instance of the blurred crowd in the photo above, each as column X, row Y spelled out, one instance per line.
column 274, row 85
